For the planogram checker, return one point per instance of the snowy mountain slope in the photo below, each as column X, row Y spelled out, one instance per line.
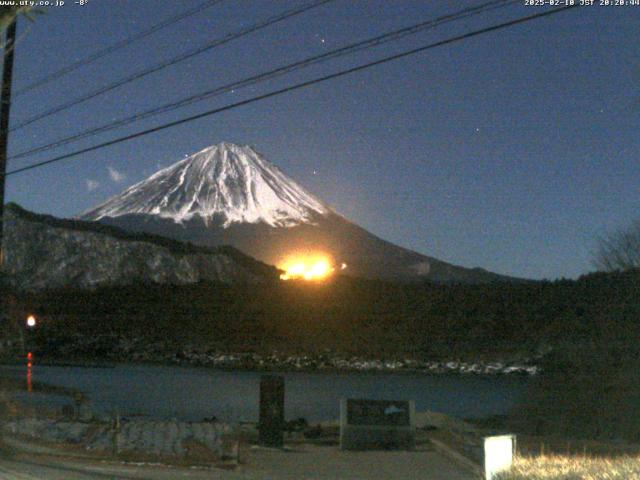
column 232, row 181
column 230, row 195
column 44, row 252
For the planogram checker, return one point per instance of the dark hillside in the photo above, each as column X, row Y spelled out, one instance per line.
column 356, row 316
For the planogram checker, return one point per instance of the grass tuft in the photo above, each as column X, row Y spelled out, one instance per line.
column 566, row 467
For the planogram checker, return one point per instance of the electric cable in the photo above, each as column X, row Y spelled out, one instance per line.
column 116, row 46
column 179, row 58
column 294, row 87
column 271, row 74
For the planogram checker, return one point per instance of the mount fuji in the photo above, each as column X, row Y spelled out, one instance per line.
column 230, row 194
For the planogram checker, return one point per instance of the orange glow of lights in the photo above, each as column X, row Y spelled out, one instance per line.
column 31, row 321
column 307, row 267
column 29, row 373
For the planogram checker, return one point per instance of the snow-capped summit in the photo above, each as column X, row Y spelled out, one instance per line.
column 233, row 182
column 231, row 195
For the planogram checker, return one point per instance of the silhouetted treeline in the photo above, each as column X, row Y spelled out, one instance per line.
column 591, row 390
column 354, row 316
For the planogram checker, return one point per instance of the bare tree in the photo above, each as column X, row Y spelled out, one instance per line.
column 9, row 13
column 619, row 250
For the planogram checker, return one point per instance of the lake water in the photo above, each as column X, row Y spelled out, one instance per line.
column 195, row 393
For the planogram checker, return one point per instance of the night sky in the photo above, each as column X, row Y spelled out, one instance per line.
column 512, row 151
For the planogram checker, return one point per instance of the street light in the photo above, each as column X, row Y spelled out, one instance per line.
column 31, row 321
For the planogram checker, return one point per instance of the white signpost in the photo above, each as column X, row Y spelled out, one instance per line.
column 499, row 452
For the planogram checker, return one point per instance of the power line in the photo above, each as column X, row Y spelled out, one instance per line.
column 294, row 87
column 180, row 58
column 116, row 46
column 5, row 108
column 271, row 74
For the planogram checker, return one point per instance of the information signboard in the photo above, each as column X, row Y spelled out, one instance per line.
column 377, row 424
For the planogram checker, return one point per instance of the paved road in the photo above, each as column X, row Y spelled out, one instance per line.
column 306, row 462
column 56, row 469
column 329, row 463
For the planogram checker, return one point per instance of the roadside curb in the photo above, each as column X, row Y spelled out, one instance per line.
column 33, row 448
column 459, row 458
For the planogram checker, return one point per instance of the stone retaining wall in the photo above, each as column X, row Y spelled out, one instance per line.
column 146, row 438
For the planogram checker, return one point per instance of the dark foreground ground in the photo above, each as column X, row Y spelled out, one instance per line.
column 26, row 453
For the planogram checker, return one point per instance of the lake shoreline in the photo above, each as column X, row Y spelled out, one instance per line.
column 301, row 364
column 195, row 393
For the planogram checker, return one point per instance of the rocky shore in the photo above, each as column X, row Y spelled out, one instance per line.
column 99, row 350
column 277, row 361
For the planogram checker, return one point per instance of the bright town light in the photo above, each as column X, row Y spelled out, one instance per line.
column 310, row 267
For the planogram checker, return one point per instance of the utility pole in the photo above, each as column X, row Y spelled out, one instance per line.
column 5, row 107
